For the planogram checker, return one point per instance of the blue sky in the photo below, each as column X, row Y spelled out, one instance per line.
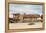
column 25, row 8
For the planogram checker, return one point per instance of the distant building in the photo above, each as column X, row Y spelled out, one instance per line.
column 26, row 17
column 32, row 17
column 16, row 17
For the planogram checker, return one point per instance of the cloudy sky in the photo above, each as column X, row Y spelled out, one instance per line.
column 25, row 8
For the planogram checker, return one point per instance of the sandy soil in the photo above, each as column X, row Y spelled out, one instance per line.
column 25, row 25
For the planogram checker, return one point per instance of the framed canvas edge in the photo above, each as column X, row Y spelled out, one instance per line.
column 6, row 18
